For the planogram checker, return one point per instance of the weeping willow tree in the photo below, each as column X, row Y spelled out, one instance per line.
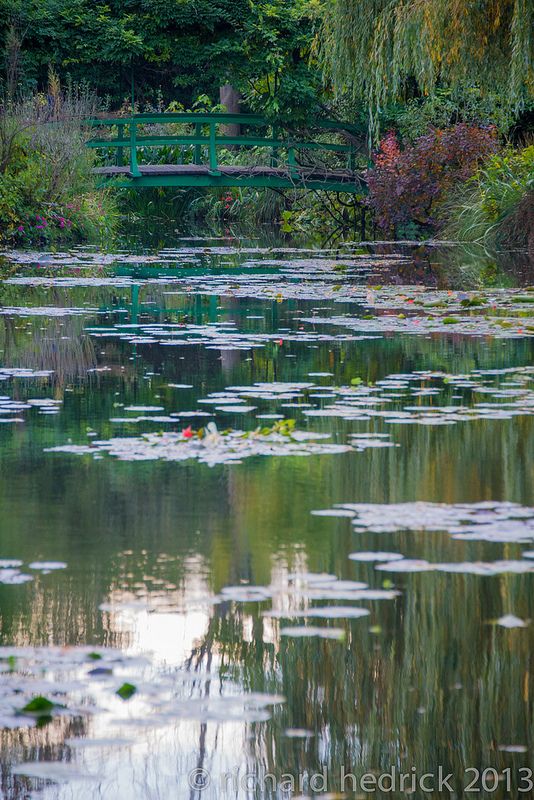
column 384, row 50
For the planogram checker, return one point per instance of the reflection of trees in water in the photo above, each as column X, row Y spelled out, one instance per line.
column 45, row 743
column 54, row 614
column 49, row 343
column 437, row 685
column 455, row 266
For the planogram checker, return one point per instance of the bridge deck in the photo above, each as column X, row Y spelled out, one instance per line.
column 201, row 175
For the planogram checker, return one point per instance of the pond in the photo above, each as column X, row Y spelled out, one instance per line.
column 267, row 525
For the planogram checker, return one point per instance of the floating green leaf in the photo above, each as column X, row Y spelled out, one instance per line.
column 40, row 705
column 126, row 691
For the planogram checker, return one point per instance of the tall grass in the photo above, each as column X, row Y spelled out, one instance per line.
column 501, row 188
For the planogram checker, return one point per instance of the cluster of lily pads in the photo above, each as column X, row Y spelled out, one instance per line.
column 11, row 410
column 278, row 274
column 293, row 599
column 46, row 311
column 214, row 336
column 507, row 391
column 506, row 394
column 282, row 274
column 382, row 400
column 486, row 521
column 209, row 445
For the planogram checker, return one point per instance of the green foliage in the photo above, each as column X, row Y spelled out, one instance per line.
column 47, row 192
column 443, row 108
column 174, row 49
column 382, row 51
column 31, row 214
column 503, row 183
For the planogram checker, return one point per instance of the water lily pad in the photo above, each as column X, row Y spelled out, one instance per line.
column 511, row 621
column 39, row 706
column 56, row 771
column 513, row 748
column 336, row 612
column 302, row 631
column 298, row 733
column 372, row 556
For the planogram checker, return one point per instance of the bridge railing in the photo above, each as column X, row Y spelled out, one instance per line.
column 128, row 134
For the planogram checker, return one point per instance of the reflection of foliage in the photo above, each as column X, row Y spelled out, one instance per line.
column 59, row 345
column 398, row 695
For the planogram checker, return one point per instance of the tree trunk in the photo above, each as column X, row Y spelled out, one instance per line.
column 229, row 97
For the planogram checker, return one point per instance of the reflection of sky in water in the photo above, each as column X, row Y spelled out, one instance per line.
column 221, row 569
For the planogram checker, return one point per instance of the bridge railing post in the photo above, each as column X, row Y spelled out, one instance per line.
column 213, row 150
column 292, row 163
column 274, row 150
column 198, row 147
column 119, row 155
column 134, row 166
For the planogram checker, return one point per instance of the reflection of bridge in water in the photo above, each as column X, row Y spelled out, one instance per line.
column 199, row 309
column 187, row 158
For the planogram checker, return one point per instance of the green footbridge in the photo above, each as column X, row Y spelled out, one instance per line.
column 225, row 150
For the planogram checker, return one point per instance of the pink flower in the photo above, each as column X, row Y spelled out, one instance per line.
column 21, row 229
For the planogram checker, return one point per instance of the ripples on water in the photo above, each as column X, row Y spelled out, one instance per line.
column 194, row 608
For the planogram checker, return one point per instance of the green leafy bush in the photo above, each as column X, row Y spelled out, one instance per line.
column 444, row 108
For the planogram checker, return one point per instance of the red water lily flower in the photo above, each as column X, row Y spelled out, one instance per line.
column 188, row 433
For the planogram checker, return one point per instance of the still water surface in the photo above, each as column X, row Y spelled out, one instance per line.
column 243, row 619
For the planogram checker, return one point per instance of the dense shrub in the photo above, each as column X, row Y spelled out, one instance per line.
column 47, row 192
column 408, row 186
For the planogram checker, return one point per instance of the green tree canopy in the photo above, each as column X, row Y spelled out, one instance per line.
column 179, row 49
